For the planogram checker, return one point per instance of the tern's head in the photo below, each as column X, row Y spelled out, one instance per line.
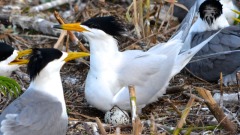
column 9, row 59
column 96, row 28
column 210, row 10
column 48, row 61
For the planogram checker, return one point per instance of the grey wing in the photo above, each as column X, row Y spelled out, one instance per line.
column 34, row 118
column 227, row 40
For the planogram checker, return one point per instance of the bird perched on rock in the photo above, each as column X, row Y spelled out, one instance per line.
column 9, row 59
column 112, row 71
column 211, row 18
column 41, row 110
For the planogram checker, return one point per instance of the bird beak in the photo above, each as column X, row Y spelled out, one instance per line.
column 236, row 20
column 24, row 53
column 75, row 55
column 18, row 61
column 71, row 27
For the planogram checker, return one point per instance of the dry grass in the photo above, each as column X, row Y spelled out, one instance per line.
column 145, row 29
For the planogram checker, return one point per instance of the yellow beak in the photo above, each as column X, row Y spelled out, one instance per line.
column 71, row 27
column 75, row 55
column 20, row 55
column 19, row 62
column 24, row 53
column 236, row 20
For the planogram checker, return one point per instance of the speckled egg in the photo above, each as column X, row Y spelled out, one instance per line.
column 116, row 117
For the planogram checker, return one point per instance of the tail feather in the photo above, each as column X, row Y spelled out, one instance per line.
column 183, row 58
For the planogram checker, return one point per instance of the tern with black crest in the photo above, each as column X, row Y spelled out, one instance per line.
column 9, row 61
column 41, row 109
column 112, row 71
column 223, row 47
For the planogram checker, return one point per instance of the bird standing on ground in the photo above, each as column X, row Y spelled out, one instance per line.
column 112, row 71
column 227, row 40
column 41, row 110
column 9, row 59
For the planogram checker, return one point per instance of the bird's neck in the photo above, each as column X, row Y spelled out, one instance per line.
column 6, row 70
column 50, row 84
column 106, row 45
column 104, row 52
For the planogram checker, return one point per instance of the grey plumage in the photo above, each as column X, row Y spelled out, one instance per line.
column 225, row 43
column 227, row 40
column 30, row 114
column 41, row 109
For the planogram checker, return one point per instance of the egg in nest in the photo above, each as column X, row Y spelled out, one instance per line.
column 116, row 116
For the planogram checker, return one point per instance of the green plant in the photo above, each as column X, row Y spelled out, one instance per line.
column 9, row 87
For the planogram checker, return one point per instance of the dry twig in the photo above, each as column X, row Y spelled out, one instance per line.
column 100, row 126
column 216, row 110
column 73, row 38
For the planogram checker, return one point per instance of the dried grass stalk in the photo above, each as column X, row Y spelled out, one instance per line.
column 133, row 102
column 185, row 113
column 100, row 126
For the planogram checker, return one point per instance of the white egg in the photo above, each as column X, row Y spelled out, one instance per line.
column 115, row 116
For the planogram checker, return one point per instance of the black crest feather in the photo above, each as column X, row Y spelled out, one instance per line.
column 108, row 24
column 210, row 10
column 5, row 51
column 40, row 58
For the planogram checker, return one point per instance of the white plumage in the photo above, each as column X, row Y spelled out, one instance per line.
column 111, row 71
column 9, row 61
column 5, row 68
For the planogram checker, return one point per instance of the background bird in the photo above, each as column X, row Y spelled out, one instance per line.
column 227, row 40
column 9, row 59
column 41, row 110
column 228, row 6
column 209, row 69
column 210, row 17
column 111, row 71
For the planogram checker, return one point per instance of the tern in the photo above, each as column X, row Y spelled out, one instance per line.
column 228, row 6
column 112, row 71
column 211, row 18
column 41, row 109
column 9, row 61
